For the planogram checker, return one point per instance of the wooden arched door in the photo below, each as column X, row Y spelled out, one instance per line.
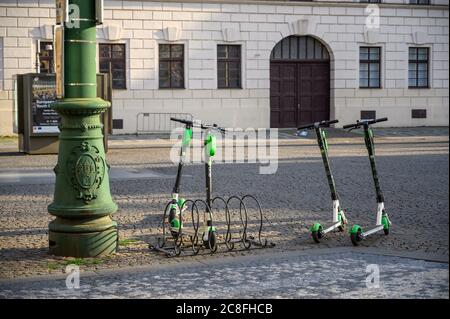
column 299, row 82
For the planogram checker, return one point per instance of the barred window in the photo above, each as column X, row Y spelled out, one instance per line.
column 229, row 66
column 300, row 48
column 112, row 62
column 370, row 67
column 418, row 70
column 171, row 66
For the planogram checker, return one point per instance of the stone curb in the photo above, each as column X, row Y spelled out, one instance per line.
column 230, row 260
column 163, row 143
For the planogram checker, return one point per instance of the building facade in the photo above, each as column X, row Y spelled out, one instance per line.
column 250, row 63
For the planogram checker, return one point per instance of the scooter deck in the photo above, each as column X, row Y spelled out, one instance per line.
column 372, row 231
column 332, row 227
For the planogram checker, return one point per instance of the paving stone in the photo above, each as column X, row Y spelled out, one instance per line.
column 289, row 276
column 414, row 178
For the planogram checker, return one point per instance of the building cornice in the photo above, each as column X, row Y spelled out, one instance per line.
column 310, row 3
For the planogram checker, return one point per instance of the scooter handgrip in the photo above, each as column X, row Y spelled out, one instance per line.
column 383, row 119
column 181, row 121
column 305, row 127
column 176, row 120
column 331, row 122
column 213, row 126
column 218, row 128
column 354, row 125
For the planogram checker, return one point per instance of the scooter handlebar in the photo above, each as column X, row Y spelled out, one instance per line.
column 318, row 124
column 186, row 122
column 214, row 127
column 383, row 119
column 202, row 126
column 364, row 122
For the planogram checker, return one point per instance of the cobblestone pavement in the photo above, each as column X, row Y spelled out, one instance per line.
column 344, row 275
column 413, row 171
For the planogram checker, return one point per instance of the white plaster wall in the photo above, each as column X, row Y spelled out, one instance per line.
column 261, row 25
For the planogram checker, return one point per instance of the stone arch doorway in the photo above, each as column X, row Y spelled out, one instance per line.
column 299, row 82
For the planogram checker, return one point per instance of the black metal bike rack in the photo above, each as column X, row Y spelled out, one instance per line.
column 189, row 235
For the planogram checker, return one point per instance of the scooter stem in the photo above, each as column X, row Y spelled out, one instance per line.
column 368, row 134
column 184, row 145
column 323, row 150
column 208, row 171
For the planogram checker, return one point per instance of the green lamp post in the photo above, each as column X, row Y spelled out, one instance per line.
column 82, row 200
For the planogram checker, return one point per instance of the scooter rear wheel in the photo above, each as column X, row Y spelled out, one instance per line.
column 356, row 238
column 317, row 236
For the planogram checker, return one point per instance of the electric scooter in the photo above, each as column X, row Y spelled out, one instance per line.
column 209, row 236
column 179, row 203
column 339, row 219
column 210, row 146
column 204, row 235
column 382, row 222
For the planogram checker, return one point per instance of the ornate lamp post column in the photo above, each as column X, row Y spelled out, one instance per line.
column 82, row 200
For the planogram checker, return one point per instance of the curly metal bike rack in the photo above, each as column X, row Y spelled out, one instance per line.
column 185, row 239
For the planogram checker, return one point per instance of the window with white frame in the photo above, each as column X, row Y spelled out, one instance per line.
column 229, row 66
column 171, row 66
column 370, row 67
column 418, row 68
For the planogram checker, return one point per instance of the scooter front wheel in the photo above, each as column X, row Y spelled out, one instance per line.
column 173, row 222
column 343, row 222
column 317, row 232
column 211, row 243
column 172, row 214
column 386, row 223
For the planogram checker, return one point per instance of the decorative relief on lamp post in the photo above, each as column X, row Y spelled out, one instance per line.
column 86, row 170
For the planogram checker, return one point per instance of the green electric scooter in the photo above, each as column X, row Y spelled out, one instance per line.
column 209, row 147
column 382, row 222
column 339, row 219
column 178, row 205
